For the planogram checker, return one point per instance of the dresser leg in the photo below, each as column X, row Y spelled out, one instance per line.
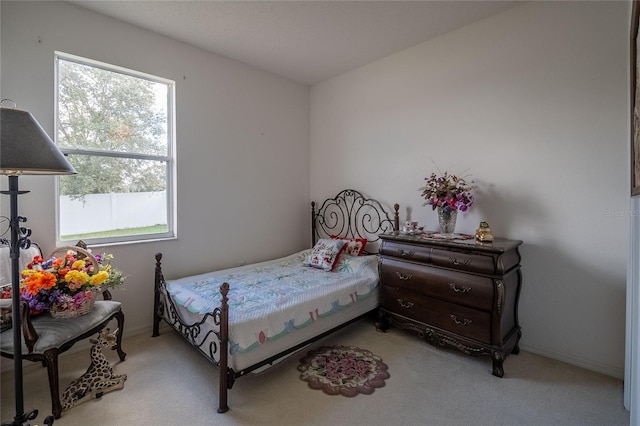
column 516, row 347
column 382, row 325
column 498, row 359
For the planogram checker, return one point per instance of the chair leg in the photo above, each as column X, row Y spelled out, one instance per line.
column 120, row 319
column 51, row 360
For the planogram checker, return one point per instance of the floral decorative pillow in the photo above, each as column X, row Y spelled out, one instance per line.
column 354, row 247
column 325, row 253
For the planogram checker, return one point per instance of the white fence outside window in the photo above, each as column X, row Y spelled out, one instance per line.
column 104, row 212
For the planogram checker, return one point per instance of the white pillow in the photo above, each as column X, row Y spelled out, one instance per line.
column 325, row 253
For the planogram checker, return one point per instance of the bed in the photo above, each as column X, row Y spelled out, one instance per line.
column 242, row 319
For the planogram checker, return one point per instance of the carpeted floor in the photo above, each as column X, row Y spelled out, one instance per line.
column 169, row 383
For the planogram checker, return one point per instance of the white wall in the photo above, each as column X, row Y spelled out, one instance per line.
column 242, row 144
column 534, row 103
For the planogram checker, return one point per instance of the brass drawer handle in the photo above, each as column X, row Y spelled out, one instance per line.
column 457, row 262
column 463, row 289
column 404, row 277
column 405, row 304
column 407, row 253
column 465, row 321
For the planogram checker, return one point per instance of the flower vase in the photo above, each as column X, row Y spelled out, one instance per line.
column 447, row 220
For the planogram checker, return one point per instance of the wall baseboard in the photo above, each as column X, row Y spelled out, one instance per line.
column 609, row 370
column 6, row 364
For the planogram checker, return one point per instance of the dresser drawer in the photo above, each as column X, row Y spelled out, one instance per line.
column 456, row 287
column 467, row 322
column 470, row 262
column 415, row 253
column 459, row 260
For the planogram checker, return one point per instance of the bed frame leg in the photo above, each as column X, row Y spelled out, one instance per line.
column 156, row 296
column 223, row 406
column 313, row 223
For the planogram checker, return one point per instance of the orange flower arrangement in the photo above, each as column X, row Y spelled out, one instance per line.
column 66, row 282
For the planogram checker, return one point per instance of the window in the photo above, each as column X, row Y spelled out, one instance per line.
column 116, row 127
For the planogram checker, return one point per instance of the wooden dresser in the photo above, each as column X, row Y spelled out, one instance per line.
column 456, row 292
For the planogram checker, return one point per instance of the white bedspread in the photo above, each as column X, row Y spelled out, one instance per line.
column 269, row 300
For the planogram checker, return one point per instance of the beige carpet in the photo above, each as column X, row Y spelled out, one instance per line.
column 169, row 383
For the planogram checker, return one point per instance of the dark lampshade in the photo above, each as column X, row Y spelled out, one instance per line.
column 25, row 148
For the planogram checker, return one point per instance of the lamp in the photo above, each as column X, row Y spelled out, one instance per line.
column 25, row 149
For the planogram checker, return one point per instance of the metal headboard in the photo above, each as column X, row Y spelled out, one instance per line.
column 352, row 215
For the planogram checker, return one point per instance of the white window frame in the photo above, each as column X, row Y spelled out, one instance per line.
column 169, row 159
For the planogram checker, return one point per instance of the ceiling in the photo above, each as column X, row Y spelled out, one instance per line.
column 304, row 41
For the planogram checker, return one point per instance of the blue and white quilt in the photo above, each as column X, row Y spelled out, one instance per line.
column 271, row 299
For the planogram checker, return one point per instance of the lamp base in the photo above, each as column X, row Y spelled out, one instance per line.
column 19, row 239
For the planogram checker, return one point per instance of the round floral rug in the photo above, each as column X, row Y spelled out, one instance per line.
column 343, row 370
